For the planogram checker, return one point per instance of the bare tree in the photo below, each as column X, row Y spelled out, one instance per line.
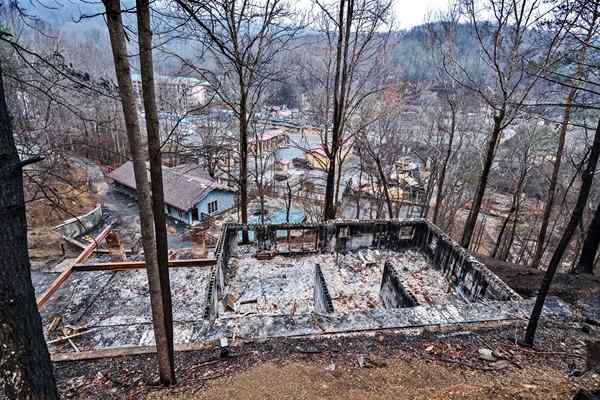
column 243, row 37
column 575, row 12
column 143, row 189
column 379, row 139
column 590, row 244
column 263, row 160
column 349, row 60
column 587, row 179
column 160, row 284
column 506, row 50
column 213, row 149
column 515, row 166
column 586, row 27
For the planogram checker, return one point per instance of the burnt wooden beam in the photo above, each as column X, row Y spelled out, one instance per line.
column 44, row 297
column 120, row 265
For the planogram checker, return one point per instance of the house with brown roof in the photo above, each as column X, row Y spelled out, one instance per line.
column 189, row 195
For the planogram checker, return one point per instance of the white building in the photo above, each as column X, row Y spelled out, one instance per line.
column 174, row 93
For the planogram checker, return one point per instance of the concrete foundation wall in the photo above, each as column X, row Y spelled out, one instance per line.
column 214, row 291
column 75, row 227
column 471, row 279
column 392, row 293
column 322, row 299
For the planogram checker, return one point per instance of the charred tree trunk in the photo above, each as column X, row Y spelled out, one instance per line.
column 329, row 210
column 25, row 367
column 162, row 312
column 338, row 180
column 511, row 239
column 587, row 179
column 358, row 191
column 386, row 191
column 590, row 245
column 502, row 230
column 579, row 73
column 144, row 200
column 243, row 178
column 431, row 184
column 483, row 179
column 442, row 177
column 514, row 207
column 339, row 102
column 541, row 239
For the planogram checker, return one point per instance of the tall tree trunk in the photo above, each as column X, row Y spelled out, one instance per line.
column 483, row 179
column 243, row 178
column 587, row 179
column 513, row 232
column 442, row 177
column 162, row 313
column 386, row 191
column 590, row 245
column 329, row 210
column 339, row 102
column 358, row 192
column 541, row 239
column 431, row 185
column 444, row 168
column 513, row 208
column 144, row 201
column 25, row 367
column 502, row 230
column 338, row 180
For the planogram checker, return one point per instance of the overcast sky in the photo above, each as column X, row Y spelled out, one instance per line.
column 408, row 13
column 412, row 12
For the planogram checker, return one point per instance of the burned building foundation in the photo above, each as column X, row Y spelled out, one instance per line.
column 363, row 265
column 302, row 279
column 349, row 276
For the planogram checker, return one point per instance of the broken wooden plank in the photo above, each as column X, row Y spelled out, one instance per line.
column 74, row 242
column 112, row 352
column 68, row 337
column 83, row 245
column 44, row 297
column 107, row 251
column 72, row 343
column 195, row 262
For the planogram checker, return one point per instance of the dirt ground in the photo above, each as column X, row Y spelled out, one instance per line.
column 379, row 366
column 60, row 199
column 527, row 281
column 401, row 379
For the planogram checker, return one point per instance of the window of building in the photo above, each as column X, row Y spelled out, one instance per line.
column 212, row 207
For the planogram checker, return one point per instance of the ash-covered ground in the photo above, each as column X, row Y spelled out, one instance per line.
column 277, row 286
column 115, row 307
column 285, row 285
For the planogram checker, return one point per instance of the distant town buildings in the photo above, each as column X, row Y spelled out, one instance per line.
column 268, row 141
column 317, row 158
column 174, row 92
